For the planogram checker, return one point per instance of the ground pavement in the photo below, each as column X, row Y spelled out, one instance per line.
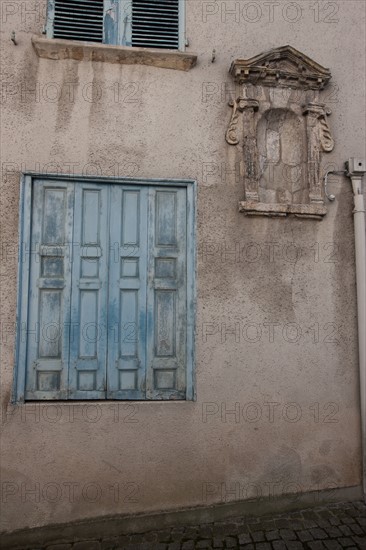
column 331, row 527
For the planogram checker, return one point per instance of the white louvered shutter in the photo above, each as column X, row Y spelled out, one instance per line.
column 155, row 23
column 139, row 23
column 78, row 20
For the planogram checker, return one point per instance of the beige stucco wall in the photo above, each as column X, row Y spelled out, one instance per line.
column 158, row 123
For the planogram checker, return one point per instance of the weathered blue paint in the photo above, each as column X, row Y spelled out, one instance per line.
column 138, row 239
column 89, row 302
column 166, row 296
column 117, row 22
column 24, row 227
column 127, row 293
column 50, row 18
column 48, row 309
column 191, row 290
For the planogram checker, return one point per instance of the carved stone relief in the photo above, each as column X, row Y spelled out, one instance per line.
column 281, row 130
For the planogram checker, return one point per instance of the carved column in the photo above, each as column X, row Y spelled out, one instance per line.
column 251, row 169
column 248, row 107
column 318, row 137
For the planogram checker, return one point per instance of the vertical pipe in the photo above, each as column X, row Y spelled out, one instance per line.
column 360, row 250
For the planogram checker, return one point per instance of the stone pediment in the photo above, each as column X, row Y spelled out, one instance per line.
column 284, row 66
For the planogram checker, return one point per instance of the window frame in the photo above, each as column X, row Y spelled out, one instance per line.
column 50, row 13
column 23, row 278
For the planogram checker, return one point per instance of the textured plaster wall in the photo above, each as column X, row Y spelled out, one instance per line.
column 84, row 461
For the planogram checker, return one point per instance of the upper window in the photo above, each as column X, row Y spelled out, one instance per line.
column 142, row 23
column 105, row 303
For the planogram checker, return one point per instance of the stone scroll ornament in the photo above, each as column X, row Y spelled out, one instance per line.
column 232, row 131
column 326, row 139
column 281, row 130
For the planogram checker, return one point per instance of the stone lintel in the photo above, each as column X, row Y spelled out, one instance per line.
column 57, row 49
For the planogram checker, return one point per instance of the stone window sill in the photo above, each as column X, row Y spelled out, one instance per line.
column 51, row 48
column 313, row 211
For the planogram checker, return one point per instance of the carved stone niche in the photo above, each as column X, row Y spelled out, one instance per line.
column 281, row 130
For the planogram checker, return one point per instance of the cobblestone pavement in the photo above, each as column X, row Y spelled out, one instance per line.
column 333, row 527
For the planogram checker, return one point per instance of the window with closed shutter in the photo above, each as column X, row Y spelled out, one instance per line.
column 138, row 23
column 105, row 305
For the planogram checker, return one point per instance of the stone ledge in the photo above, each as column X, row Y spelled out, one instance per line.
column 312, row 211
column 51, row 48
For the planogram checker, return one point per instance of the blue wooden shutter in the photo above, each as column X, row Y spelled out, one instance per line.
column 167, row 294
column 46, row 334
column 88, row 330
column 110, row 313
column 127, row 293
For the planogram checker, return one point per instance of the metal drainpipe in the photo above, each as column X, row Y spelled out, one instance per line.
column 356, row 173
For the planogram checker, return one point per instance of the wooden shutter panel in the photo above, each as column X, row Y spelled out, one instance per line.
column 127, row 293
column 76, row 19
column 143, row 23
column 88, row 331
column 47, row 326
column 106, row 310
column 167, row 294
column 155, row 23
